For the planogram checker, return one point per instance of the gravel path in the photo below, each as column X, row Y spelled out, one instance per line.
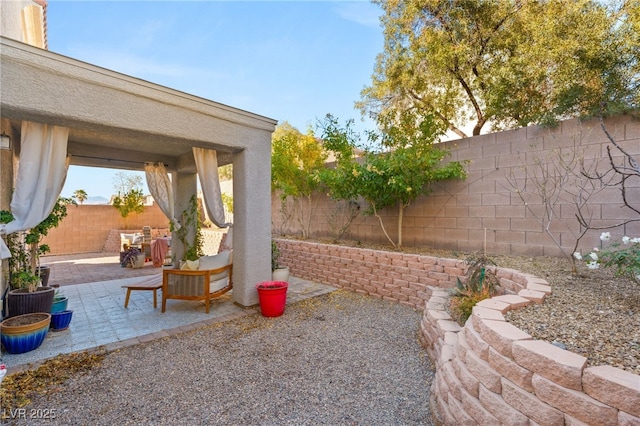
column 338, row 359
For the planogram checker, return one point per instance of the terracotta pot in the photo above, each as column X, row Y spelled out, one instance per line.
column 24, row 333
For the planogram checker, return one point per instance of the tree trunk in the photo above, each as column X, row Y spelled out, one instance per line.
column 400, row 216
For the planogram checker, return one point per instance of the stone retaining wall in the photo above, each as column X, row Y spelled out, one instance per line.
column 489, row 371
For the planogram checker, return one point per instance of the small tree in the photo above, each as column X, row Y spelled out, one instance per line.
column 80, row 195
column 549, row 183
column 227, row 201
column 296, row 164
column 25, row 246
column 130, row 202
column 225, row 172
column 623, row 173
column 399, row 165
column 130, row 198
column 124, row 182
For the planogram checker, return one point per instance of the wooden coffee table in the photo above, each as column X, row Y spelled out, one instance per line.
column 152, row 283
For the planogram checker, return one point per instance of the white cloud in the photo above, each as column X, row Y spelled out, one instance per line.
column 142, row 67
column 361, row 12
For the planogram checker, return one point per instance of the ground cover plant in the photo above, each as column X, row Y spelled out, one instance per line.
column 479, row 283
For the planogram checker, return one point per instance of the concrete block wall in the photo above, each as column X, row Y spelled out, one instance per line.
column 458, row 214
column 97, row 228
column 489, row 371
column 87, row 227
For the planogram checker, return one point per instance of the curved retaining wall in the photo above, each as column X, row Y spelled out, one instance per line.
column 489, row 371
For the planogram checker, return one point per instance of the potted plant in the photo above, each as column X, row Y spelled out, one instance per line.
column 34, row 236
column 24, row 333
column 25, row 273
column 131, row 257
column 60, row 302
column 25, row 294
column 278, row 272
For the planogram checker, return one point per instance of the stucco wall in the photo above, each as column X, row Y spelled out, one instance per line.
column 489, row 371
column 457, row 213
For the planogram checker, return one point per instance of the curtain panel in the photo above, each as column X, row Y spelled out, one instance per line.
column 161, row 190
column 42, row 171
column 207, row 168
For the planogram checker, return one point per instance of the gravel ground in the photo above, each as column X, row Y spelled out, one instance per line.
column 338, row 359
column 594, row 313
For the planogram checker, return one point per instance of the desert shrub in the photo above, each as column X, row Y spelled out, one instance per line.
column 480, row 283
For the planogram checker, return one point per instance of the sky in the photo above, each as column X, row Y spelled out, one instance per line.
column 291, row 61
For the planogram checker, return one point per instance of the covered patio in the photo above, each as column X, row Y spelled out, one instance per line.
column 101, row 322
column 118, row 121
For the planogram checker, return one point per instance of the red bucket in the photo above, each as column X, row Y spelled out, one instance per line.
column 273, row 297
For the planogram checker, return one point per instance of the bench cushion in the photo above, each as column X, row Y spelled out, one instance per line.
column 214, row 262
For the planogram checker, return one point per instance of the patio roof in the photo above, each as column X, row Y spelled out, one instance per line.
column 118, row 121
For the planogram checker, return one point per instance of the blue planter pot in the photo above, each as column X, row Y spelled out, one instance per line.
column 24, row 333
column 60, row 320
column 59, row 305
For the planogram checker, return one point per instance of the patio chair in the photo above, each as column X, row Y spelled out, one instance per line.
column 205, row 279
column 146, row 242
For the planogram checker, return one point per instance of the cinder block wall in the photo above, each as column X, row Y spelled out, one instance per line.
column 458, row 214
column 97, row 228
column 86, row 228
column 489, row 371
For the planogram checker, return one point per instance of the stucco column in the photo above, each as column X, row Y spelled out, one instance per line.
column 185, row 185
column 252, row 221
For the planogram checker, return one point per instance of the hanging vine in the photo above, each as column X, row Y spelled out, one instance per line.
column 190, row 219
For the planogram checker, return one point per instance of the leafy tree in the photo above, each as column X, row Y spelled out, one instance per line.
column 396, row 167
column 510, row 63
column 296, row 163
column 34, row 236
column 225, row 172
column 227, row 201
column 80, row 195
column 124, row 182
column 130, row 202
column 630, row 28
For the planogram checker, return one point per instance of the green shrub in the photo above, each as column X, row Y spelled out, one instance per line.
column 480, row 283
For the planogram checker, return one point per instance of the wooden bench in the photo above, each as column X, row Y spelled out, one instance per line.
column 151, row 283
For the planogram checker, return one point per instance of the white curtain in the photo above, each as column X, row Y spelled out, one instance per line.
column 207, row 167
column 161, row 190
column 42, row 171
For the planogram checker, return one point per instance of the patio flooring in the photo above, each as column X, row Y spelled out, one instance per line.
column 93, row 283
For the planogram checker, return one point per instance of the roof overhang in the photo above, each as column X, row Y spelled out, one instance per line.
column 116, row 120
